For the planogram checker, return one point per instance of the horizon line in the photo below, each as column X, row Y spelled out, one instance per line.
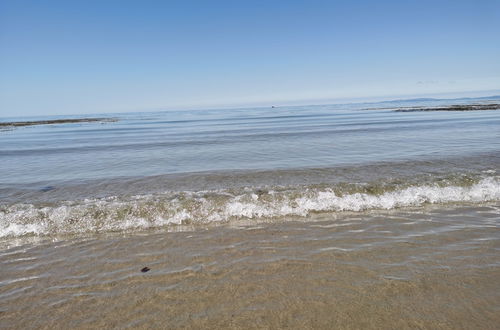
column 493, row 93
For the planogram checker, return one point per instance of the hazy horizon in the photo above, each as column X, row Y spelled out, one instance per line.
column 495, row 94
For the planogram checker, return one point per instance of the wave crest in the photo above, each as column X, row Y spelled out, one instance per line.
column 150, row 211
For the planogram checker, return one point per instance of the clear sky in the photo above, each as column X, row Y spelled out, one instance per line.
column 68, row 57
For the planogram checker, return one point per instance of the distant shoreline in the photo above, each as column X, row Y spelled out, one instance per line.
column 55, row 121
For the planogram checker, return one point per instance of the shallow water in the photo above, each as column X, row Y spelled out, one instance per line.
column 342, row 216
column 431, row 267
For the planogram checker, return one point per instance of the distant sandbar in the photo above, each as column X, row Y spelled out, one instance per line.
column 55, row 121
column 456, row 107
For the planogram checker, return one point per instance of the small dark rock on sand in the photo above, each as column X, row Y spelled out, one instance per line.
column 145, row 269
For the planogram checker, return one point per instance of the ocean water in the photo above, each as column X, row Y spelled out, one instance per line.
column 345, row 216
column 150, row 170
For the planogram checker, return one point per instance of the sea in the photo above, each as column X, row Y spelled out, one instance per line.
column 342, row 216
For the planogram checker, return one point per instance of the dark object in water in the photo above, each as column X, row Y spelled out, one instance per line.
column 47, row 188
column 145, row 269
column 55, row 121
column 260, row 192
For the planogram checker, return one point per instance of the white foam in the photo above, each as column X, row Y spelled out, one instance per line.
column 140, row 212
column 486, row 190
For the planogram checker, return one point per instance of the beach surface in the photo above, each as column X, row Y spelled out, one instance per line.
column 432, row 268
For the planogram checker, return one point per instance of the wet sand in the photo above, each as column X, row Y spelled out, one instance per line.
column 431, row 267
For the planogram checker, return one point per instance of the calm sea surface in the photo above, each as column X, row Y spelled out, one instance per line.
column 343, row 216
column 147, row 144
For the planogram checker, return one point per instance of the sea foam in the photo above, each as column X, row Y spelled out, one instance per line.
column 174, row 208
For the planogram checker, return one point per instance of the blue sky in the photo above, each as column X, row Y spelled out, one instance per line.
column 69, row 57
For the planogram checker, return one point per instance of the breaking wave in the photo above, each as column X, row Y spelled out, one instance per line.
column 173, row 208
